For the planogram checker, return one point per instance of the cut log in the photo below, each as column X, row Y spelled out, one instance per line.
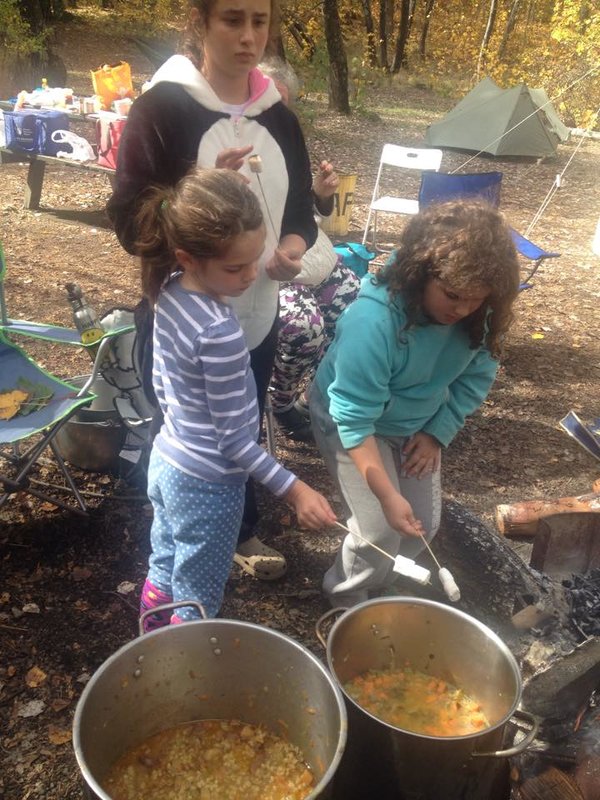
column 521, row 519
column 493, row 579
column 552, row 784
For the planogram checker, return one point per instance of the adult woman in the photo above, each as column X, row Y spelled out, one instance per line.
column 211, row 106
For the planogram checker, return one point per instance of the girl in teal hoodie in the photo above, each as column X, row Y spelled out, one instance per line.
column 413, row 356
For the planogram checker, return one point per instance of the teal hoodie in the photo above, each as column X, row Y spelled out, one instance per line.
column 382, row 379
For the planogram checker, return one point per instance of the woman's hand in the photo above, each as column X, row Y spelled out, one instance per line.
column 399, row 514
column 423, row 455
column 312, row 509
column 233, row 158
column 287, row 258
column 326, row 181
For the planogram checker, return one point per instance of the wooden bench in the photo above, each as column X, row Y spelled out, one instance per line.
column 37, row 169
column 37, row 163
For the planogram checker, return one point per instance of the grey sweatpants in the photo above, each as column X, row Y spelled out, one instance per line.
column 358, row 568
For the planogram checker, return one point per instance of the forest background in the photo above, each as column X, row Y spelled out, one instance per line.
column 347, row 45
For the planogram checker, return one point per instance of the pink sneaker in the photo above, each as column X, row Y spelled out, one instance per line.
column 151, row 598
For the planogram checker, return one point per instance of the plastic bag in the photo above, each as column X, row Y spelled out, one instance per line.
column 81, row 150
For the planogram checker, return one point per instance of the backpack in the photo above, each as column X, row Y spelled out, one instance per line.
column 128, row 369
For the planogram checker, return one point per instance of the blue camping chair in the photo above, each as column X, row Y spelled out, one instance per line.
column 437, row 187
column 48, row 405
column 51, row 402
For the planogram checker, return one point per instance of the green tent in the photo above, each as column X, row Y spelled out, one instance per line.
column 502, row 122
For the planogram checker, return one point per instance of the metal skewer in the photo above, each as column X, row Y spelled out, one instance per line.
column 255, row 164
column 403, row 566
column 426, row 543
column 445, row 576
column 362, row 538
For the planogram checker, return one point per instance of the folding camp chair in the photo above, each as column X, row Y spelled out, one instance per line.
column 42, row 404
column 440, row 186
column 48, row 419
column 404, row 158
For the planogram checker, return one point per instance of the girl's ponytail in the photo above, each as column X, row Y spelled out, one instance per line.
column 155, row 240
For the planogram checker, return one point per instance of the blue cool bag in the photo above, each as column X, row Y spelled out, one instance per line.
column 356, row 256
column 31, row 131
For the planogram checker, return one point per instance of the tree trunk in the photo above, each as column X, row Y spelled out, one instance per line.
column 510, row 24
column 429, row 4
column 370, row 29
column 489, row 30
column 304, row 40
column 338, row 80
column 399, row 53
column 386, row 25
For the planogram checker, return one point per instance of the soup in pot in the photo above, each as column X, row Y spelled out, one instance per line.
column 211, row 760
column 415, row 701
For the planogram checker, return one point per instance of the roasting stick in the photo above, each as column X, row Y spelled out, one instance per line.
column 445, row 576
column 404, row 566
column 255, row 164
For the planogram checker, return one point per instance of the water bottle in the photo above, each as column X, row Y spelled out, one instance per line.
column 84, row 316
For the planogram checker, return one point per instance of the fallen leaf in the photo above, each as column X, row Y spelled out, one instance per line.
column 60, row 704
column 11, row 402
column 126, row 587
column 81, row 573
column 59, row 735
column 537, row 335
column 35, row 677
column 31, row 709
column 31, row 608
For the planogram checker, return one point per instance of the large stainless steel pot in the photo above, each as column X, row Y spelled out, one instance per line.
column 94, row 436
column 389, row 763
column 210, row 669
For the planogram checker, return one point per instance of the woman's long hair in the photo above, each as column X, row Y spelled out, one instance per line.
column 467, row 244
column 201, row 215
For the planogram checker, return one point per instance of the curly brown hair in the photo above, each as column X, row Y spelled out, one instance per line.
column 201, row 214
column 192, row 36
column 466, row 244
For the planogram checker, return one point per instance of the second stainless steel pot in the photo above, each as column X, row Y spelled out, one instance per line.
column 390, row 763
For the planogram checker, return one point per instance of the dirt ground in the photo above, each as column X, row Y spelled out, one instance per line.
column 69, row 587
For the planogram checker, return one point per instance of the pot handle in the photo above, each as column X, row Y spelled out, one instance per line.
column 169, row 607
column 319, row 623
column 524, row 722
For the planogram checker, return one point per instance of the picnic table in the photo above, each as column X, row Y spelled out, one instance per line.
column 37, row 163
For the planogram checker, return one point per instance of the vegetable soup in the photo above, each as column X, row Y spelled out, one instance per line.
column 211, row 760
column 415, row 701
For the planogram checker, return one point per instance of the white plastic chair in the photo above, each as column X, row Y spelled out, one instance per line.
column 406, row 158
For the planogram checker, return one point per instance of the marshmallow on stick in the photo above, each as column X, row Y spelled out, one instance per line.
column 255, row 164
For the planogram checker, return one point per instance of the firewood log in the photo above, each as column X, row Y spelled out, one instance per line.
column 521, row 519
column 552, row 784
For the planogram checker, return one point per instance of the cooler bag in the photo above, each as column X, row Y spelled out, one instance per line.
column 31, row 131
column 109, row 130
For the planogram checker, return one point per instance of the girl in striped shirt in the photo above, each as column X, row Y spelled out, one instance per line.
column 200, row 243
